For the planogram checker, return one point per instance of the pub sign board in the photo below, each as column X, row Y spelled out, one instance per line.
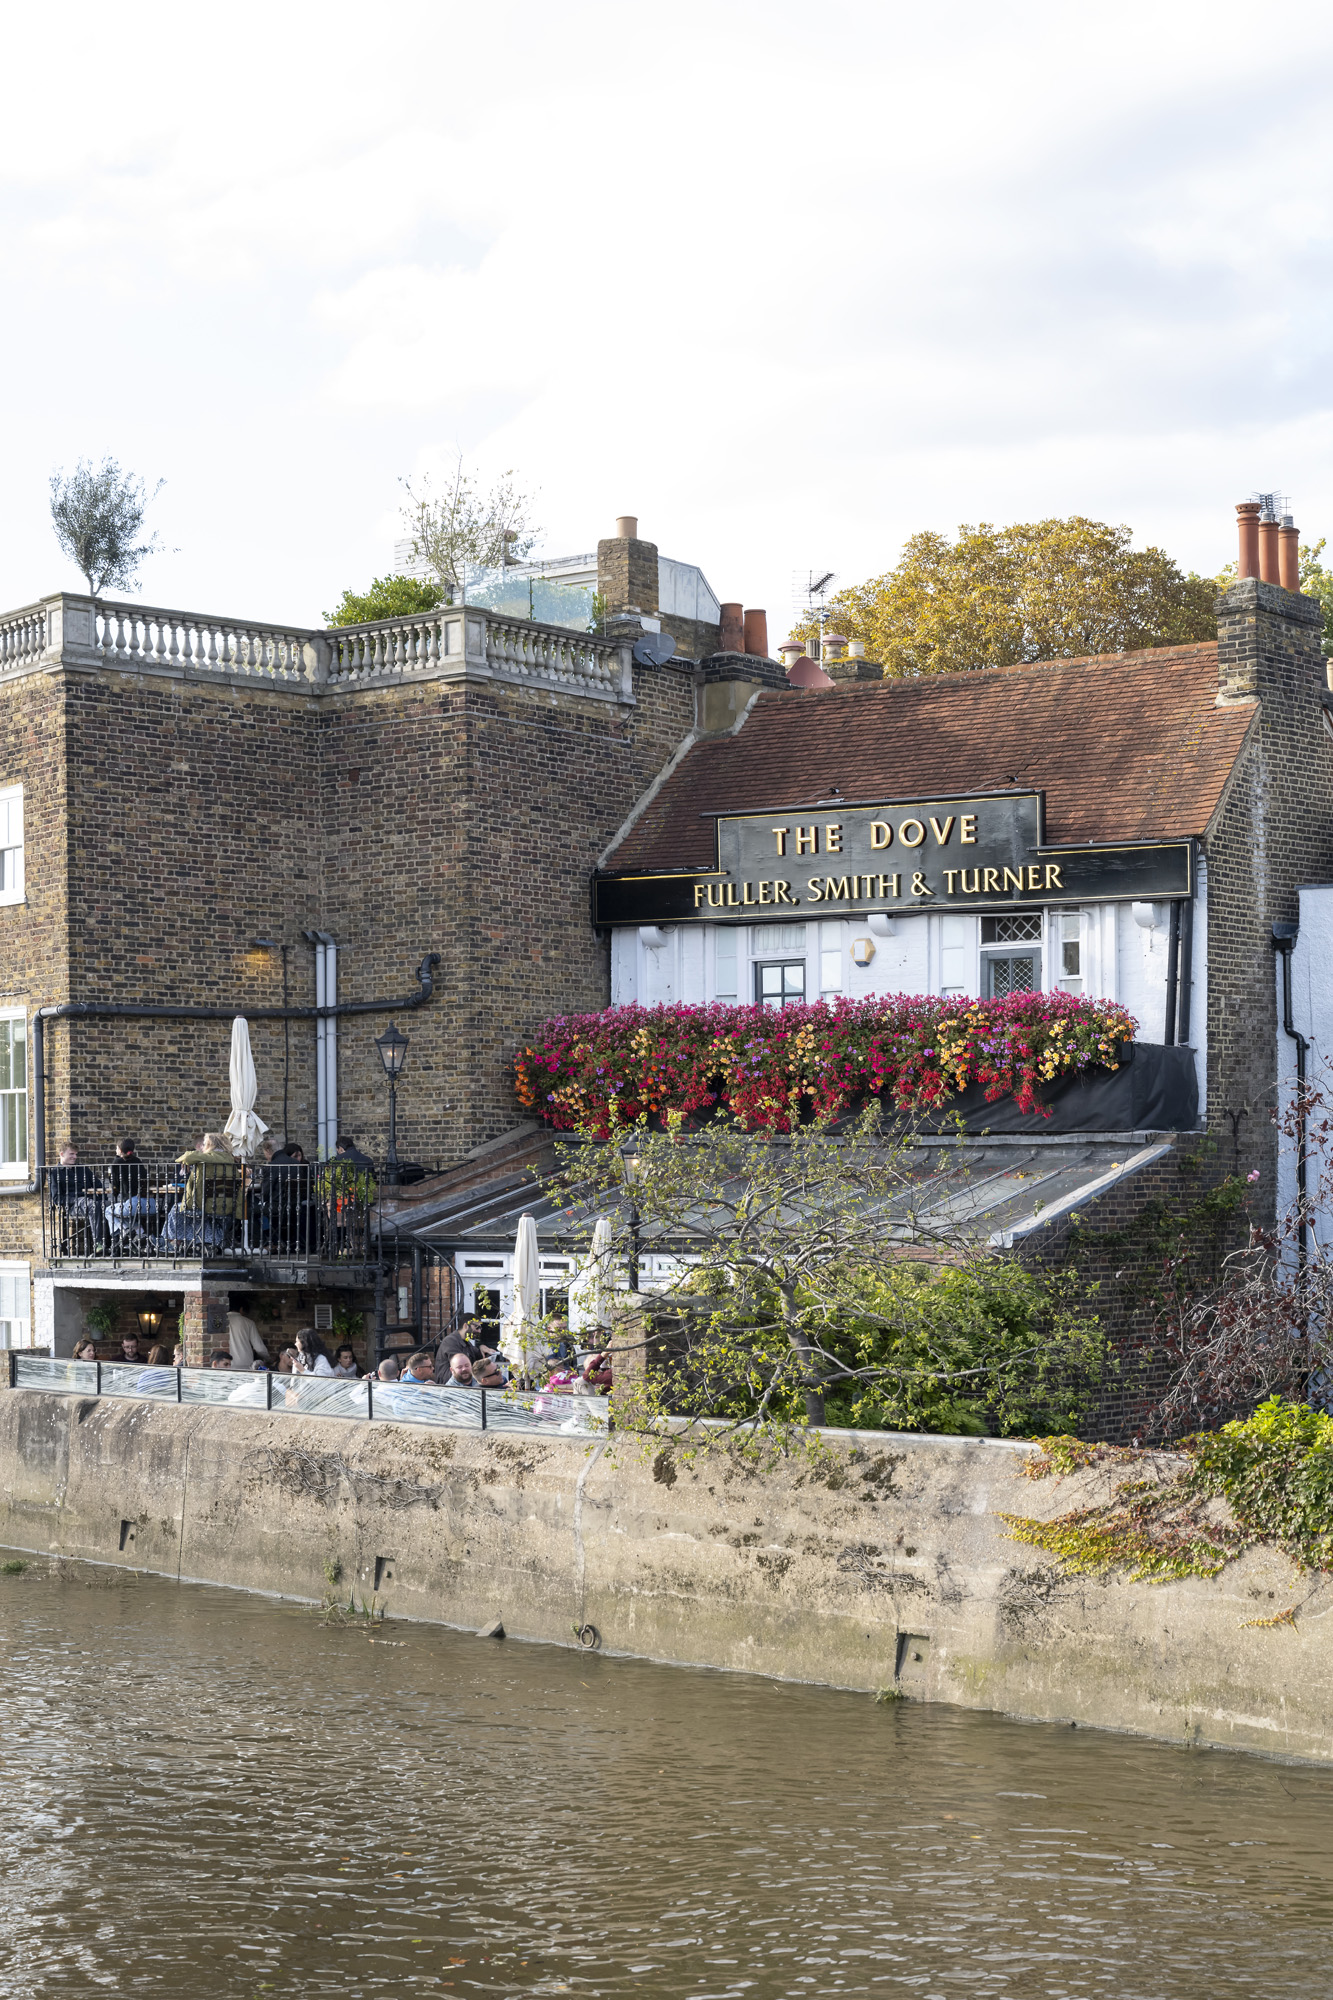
column 982, row 852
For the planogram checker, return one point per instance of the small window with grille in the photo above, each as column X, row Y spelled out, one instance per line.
column 1010, row 955
column 780, row 985
column 15, row 1307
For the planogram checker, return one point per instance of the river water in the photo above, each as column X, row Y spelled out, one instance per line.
column 205, row 1793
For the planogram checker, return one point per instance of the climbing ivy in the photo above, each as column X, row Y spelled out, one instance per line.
column 1273, row 1471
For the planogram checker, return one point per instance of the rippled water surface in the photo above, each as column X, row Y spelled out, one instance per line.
column 206, row 1793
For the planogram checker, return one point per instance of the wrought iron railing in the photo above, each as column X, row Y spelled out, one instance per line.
column 365, row 1401
column 209, row 1206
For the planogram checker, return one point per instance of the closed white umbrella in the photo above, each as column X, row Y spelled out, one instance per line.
column 243, row 1128
column 517, row 1339
column 590, row 1300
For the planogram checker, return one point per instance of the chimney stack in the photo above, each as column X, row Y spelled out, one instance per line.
column 1268, row 565
column 1289, row 554
column 756, row 633
column 1248, row 522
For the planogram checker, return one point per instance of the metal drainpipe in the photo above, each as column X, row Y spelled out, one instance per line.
column 1172, row 974
column 132, row 1010
column 1186, row 973
column 1284, row 940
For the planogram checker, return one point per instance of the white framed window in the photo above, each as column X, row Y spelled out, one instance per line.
column 1010, row 955
column 11, row 844
column 15, row 1305
column 13, row 1097
column 1070, row 970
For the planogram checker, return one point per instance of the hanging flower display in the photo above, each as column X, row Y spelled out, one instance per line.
column 770, row 1069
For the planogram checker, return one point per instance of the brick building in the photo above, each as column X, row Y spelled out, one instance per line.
column 198, row 813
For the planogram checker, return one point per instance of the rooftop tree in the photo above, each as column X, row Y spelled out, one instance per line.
column 459, row 529
column 98, row 514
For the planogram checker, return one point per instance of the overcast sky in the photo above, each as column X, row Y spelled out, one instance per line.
column 788, row 282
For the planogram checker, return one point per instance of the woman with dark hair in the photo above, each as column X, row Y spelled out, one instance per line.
column 345, row 1365
column 311, row 1358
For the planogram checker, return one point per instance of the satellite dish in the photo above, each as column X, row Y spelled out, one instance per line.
column 654, row 649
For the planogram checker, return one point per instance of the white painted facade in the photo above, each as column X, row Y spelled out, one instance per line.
column 1312, row 1016
column 1119, row 952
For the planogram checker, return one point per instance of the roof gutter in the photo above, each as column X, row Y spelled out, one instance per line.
column 142, row 1011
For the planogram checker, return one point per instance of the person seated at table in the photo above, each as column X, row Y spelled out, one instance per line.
column 562, row 1379
column 129, row 1350
column 86, row 1350
column 595, row 1379
column 219, row 1358
column 387, row 1370
column 214, row 1198
column 157, row 1375
column 74, row 1197
column 311, row 1358
column 127, row 1186
column 467, row 1339
column 285, row 1195
column 345, row 1365
column 420, row 1368
column 461, row 1375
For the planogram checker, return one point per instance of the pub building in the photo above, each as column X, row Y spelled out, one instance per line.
column 1134, row 827
column 468, row 821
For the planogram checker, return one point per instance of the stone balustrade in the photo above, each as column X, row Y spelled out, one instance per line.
column 452, row 643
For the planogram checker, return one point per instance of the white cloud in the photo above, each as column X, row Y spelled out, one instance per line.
column 789, row 285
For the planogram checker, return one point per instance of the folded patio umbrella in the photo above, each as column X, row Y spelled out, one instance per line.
column 243, row 1128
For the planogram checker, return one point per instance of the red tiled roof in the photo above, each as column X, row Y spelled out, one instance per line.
column 1126, row 746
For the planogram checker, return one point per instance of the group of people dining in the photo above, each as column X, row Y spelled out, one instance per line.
column 463, row 1359
column 206, row 1199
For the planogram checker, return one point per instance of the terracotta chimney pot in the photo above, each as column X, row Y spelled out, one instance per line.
column 627, row 527
column 1268, row 566
column 1248, row 522
column 803, row 673
column 731, row 633
column 756, row 633
column 1289, row 554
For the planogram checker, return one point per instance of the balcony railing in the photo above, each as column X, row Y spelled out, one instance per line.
column 210, row 1207
column 463, row 641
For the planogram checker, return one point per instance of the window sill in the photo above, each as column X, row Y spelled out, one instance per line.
column 12, row 902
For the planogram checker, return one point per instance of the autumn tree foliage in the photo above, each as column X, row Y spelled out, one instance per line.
column 1039, row 590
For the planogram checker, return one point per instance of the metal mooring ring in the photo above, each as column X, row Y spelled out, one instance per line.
column 589, row 1638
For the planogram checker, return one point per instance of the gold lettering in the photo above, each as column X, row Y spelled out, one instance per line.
column 699, row 888
column 913, row 839
column 780, row 893
column 746, row 897
column 732, row 902
column 950, row 877
column 780, row 835
column 1013, row 878
column 1053, row 876
column 919, row 885
column 897, row 886
column 941, row 838
column 833, row 839
column 881, row 834
column 972, row 888
column 1034, row 878
column 816, row 893
column 967, row 829
column 764, row 896
column 838, row 890
column 992, row 882
column 884, row 889
column 807, row 840
column 715, row 895
column 869, row 889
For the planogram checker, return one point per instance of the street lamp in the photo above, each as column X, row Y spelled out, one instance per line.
column 631, row 1166
column 149, row 1322
column 392, row 1045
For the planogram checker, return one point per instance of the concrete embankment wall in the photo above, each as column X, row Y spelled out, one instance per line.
column 887, row 1567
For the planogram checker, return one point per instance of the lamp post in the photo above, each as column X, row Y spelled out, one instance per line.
column 392, row 1045
column 150, row 1320
column 630, row 1164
